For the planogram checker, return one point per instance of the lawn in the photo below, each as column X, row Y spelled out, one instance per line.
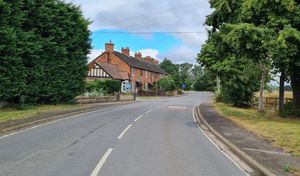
column 7, row 114
column 282, row 132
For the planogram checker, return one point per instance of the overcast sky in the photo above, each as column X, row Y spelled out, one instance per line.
column 132, row 16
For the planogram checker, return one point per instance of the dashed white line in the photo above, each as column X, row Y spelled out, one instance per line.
column 138, row 118
column 148, row 111
column 124, row 131
column 101, row 162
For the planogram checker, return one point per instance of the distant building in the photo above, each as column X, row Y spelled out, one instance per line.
column 136, row 73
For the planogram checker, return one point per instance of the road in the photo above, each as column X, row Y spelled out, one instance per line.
column 147, row 138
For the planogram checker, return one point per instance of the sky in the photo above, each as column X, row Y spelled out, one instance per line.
column 122, row 21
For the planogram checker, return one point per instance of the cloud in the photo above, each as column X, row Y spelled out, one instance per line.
column 149, row 52
column 149, row 16
column 181, row 54
column 94, row 53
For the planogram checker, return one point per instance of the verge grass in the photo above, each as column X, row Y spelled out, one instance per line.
column 282, row 132
column 8, row 114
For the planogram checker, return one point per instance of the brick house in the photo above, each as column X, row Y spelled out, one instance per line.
column 137, row 72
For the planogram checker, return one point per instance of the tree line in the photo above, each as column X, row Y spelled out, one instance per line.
column 249, row 40
column 43, row 51
column 191, row 76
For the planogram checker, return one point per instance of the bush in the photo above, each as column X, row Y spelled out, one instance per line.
column 105, row 86
column 166, row 84
column 290, row 110
column 95, row 93
column 239, row 95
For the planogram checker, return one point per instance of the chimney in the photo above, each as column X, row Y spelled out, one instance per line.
column 109, row 47
column 138, row 55
column 155, row 61
column 148, row 59
column 126, row 51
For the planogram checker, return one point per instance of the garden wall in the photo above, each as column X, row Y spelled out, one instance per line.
column 158, row 93
column 117, row 97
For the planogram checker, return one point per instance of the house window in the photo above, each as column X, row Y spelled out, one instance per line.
column 142, row 72
column 146, row 74
column 145, row 86
column 132, row 71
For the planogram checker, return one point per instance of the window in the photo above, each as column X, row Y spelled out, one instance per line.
column 142, row 72
column 132, row 71
column 145, row 86
column 146, row 74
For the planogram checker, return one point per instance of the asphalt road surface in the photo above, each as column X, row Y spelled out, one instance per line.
column 147, row 138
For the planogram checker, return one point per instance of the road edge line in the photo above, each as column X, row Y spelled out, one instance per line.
column 41, row 122
column 228, row 156
column 241, row 154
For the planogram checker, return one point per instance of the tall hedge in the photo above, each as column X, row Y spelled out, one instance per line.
column 43, row 48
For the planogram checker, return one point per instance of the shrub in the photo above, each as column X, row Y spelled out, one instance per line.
column 105, row 86
column 95, row 93
column 166, row 84
column 290, row 110
column 239, row 95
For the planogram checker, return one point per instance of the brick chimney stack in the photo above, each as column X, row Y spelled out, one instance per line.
column 126, row 51
column 138, row 55
column 109, row 47
column 155, row 62
column 148, row 59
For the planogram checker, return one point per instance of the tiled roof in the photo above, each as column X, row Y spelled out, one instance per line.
column 134, row 62
column 113, row 70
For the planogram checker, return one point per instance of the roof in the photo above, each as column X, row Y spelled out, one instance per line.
column 113, row 70
column 137, row 63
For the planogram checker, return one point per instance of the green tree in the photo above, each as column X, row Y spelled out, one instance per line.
column 252, row 42
column 205, row 81
column 166, row 84
column 220, row 55
column 169, row 67
column 283, row 18
column 185, row 75
column 51, row 39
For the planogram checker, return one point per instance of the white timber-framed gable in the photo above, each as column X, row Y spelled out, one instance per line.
column 98, row 72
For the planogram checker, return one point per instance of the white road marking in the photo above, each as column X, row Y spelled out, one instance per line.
column 149, row 111
column 177, row 107
column 218, row 147
column 138, row 118
column 22, row 131
column 101, row 162
column 124, row 131
column 54, row 121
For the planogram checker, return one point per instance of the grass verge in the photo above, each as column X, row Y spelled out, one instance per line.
column 282, row 132
column 8, row 114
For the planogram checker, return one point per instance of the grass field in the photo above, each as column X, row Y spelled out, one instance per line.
column 282, row 132
column 7, row 114
column 275, row 94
